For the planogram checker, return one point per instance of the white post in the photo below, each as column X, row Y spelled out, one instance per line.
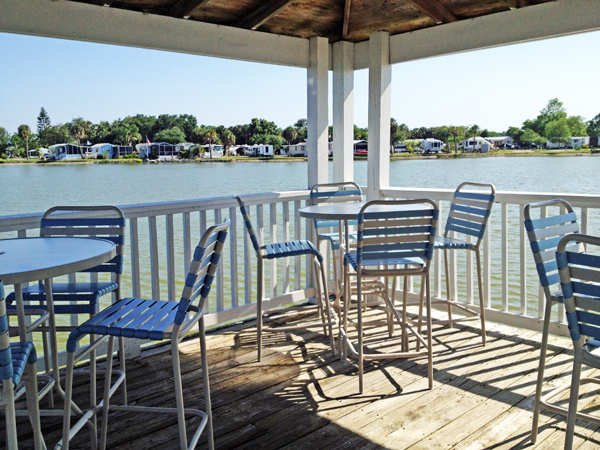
column 317, row 85
column 343, row 111
column 380, row 92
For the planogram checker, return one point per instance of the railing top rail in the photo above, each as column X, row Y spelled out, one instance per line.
column 513, row 197
column 32, row 221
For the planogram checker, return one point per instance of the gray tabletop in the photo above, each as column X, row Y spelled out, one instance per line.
column 33, row 259
column 347, row 211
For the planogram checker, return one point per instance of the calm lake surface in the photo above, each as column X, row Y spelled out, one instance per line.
column 34, row 188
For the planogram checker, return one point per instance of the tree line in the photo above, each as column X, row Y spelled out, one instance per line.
column 552, row 124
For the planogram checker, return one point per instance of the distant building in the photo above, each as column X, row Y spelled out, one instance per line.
column 501, row 141
column 574, row 142
column 64, row 151
column 298, row 149
column 477, row 144
column 361, row 145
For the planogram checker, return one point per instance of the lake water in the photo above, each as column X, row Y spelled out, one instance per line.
column 35, row 188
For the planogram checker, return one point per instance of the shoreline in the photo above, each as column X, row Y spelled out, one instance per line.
column 396, row 157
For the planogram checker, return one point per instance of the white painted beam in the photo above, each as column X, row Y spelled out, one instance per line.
column 547, row 20
column 317, row 87
column 90, row 23
column 380, row 96
column 343, row 111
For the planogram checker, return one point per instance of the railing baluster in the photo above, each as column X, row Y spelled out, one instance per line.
column 154, row 273
column 248, row 253
column 135, row 258
column 523, row 260
column 261, row 238
column 297, row 237
column 233, row 255
column 487, row 263
column 187, row 242
column 438, row 255
column 453, row 271
column 170, row 235
column 541, row 295
column 286, row 238
column 504, row 257
column 273, row 234
column 220, row 277
column 469, row 277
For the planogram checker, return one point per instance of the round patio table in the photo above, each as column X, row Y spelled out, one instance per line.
column 32, row 259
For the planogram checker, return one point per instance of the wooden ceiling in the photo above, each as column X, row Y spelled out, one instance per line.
column 351, row 20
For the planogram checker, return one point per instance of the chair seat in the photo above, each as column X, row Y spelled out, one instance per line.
column 132, row 318
column 292, row 248
column 65, row 293
column 334, row 239
column 350, row 258
column 442, row 242
column 21, row 354
column 591, row 353
column 558, row 296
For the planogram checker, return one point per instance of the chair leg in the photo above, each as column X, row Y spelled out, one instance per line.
column 541, row 368
column 93, row 378
column 259, row 306
column 420, row 323
column 360, row 335
column 47, row 364
column 33, row 407
column 122, row 361
column 573, row 399
column 326, row 304
column 404, row 314
column 107, row 384
column 68, row 398
column 8, row 393
column 316, row 271
column 448, row 290
column 481, row 302
column 206, row 385
column 429, row 333
column 179, row 395
column 344, row 321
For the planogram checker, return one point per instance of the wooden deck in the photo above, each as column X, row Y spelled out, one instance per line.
column 302, row 397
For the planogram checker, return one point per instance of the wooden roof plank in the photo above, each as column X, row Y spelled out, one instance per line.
column 259, row 16
column 185, row 8
column 435, row 10
column 346, row 19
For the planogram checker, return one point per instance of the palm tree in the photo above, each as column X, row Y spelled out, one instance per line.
column 474, row 131
column 210, row 135
column 25, row 133
column 79, row 129
column 289, row 134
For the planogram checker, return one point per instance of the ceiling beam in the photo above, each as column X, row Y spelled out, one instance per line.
column 185, row 8
column 259, row 16
column 514, row 4
column 346, row 19
column 435, row 10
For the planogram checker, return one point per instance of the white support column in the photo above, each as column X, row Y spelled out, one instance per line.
column 380, row 94
column 317, row 85
column 343, row 111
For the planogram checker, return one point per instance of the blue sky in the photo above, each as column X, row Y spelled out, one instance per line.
column 493, row 88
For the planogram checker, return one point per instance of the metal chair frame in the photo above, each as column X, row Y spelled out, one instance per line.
column 580, row 282
column 544, row 235
column 344, row 192
column 155, row 321
column 390, row 244
column 469, row 214
column 287, row 250
column 17, row 370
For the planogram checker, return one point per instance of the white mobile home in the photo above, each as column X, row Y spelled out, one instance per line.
column 212, row 151
column 478, row 144
column 573, row 142
column 64, row 151
column 501, row 141
column 431, row 145
column 184, row 146
column 156, row 150
column 298, row 149
column 118, row 151
column 259, row 150
column 106, row 150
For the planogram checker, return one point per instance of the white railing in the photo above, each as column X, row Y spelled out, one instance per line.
column 512, row 293
column 161, row 238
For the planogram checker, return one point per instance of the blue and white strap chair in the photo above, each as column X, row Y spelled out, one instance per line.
column 391, row 242
column 289, row 250
column 81, row 294
column 469, row 214
column 545, row 232
column 345, row 192
column 580, row 284
column 17, row 368
column 153, row 320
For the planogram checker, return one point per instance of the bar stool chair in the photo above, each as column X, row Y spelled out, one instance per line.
column 155, row 321
column 544, row 234
column 17, row 368
column 344, row 192
column 77, row 296
column 469, row 214
column 288, row 250
column 580, row 282
column 391, row 243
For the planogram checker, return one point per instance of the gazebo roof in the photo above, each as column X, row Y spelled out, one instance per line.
column 351, row 20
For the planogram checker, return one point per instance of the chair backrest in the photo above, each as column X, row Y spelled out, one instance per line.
column 406, row 232
column 344, row 192
column 248, row 223
column 544, row 234
column 580, row 284
column 6, row 368
column 104, row 222
column 470, row 211
column 202, row 271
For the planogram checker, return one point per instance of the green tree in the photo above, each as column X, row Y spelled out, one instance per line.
column 577, row 126
column 25, row 133
column 79, row 129
column 558, row 131
column 290, row 134
column 361, row 134
column 173, row 135
column 55, row 134
column 593, row 126
column 474, row 131
column 227, row 138
column 43, row 120
column 514, row 133
column 101, row 132
column 529, row 135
